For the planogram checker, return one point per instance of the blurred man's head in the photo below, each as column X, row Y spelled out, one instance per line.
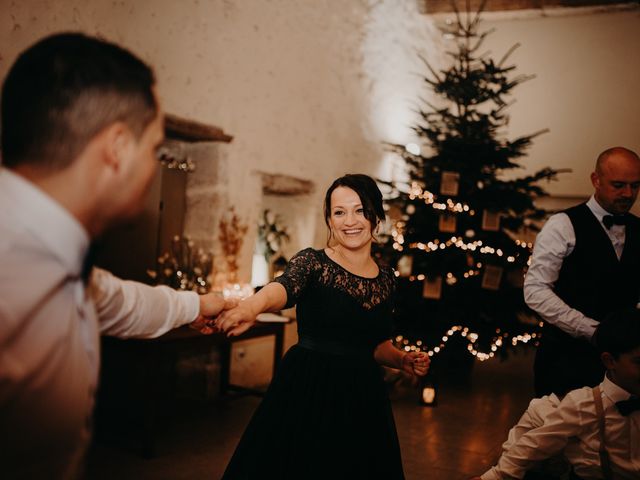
column 616, row 179
column 72, row 103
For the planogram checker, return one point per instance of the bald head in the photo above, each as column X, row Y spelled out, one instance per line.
column 615, row 153
column 616, row 179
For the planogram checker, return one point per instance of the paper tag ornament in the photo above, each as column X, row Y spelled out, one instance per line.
column 449, row 183
column 490, row 221
column 492, row 277
column 432, row 287
column 447, row 223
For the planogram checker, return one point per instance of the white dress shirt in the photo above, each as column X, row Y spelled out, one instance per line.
column 573, row 426
column 49, row 331
column 553, row 244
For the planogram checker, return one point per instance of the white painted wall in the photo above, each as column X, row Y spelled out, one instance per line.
column 587, row 69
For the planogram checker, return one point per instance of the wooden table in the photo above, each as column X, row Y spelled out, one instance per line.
column 139, row 376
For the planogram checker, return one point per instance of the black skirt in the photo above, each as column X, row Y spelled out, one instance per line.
column 325, row 415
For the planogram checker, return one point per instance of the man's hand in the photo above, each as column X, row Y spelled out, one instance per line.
column 211, row 305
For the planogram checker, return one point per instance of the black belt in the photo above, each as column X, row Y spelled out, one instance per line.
column 334, row 348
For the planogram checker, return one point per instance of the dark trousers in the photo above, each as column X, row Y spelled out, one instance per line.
column 564, row 363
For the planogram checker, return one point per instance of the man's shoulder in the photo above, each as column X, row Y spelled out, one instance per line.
column 29, row 273
column 559, row 221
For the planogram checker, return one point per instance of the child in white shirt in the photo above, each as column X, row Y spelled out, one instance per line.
column 574, row 425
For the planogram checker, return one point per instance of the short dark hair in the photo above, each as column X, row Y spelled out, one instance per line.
column 64, row 90
column 367, row 190
column 619, row 332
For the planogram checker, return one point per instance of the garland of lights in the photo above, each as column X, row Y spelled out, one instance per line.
column 496, row 343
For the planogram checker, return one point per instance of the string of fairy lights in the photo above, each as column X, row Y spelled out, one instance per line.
column 498, row 341
column 501, row 338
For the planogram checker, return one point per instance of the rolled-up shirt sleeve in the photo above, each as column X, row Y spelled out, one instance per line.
column 132, row 309
column 554, row 243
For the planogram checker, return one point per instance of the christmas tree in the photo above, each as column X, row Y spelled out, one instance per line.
column 457, row 241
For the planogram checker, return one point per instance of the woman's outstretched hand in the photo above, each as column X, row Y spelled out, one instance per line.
column 416, row 363
column 236, row 320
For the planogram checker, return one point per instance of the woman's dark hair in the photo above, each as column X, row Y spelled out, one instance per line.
column 619, row 332
column 367, row 190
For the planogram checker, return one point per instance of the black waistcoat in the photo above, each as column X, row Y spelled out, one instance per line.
column 592, row 279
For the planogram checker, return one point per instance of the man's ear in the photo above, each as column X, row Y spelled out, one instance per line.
column 116, row 142
column 595, row 179
column 608, row 360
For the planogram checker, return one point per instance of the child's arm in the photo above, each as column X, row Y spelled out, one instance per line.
column 537, row 411
column 563, row 423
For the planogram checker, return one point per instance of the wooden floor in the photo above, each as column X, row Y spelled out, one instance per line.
column 457, row 439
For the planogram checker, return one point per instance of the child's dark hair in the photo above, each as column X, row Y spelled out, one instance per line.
column 619, row 332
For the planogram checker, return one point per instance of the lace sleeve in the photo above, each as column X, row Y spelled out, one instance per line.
column 298, row 273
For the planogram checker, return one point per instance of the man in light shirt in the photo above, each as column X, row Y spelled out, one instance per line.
column 597, row 429
column 585, row 265
column 80, row 127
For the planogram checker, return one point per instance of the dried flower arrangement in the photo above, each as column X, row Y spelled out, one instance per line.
column 185, row 267
column 231, row 235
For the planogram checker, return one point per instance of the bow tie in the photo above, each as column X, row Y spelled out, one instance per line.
column 625, row 407
column 609, row 220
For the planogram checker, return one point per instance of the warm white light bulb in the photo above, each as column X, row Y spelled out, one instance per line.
column 412, row 148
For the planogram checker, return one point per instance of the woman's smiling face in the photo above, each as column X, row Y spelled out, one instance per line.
column 350, row 227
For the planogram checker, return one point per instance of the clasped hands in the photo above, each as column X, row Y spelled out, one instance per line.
column 219, row 314
column 415, row 363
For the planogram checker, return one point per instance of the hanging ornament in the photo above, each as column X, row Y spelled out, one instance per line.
column 492, row 277
column 449, row 183
column 490, row 220
column 447, row 223
column 470, row 233
column 480, row 185
column 405, row 265
column 411, row 209
column 432, row 287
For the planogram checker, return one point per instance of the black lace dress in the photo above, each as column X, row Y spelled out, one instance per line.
column 326, row 413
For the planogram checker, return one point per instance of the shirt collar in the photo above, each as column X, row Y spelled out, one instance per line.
column 46, row 219
column 596, row 208
column 613, row 391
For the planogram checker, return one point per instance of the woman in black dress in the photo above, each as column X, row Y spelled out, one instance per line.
column 326, row 413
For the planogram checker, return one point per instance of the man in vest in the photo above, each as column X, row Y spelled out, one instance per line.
column 585, row 264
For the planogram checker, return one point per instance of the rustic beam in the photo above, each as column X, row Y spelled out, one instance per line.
column 445, row 6
column 179, row 128
column 284, row 185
